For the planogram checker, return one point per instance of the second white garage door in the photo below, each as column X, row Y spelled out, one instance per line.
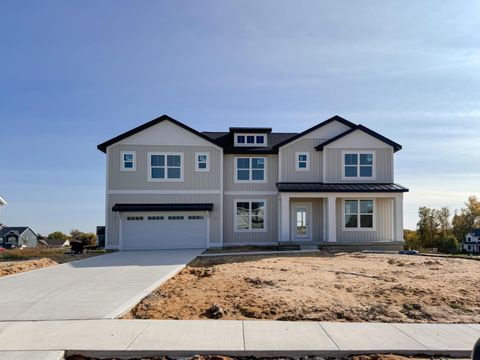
column 162, row 230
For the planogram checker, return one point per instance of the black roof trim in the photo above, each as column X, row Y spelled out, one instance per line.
column 162, row 207
column 323, row 123
column 103, row 146
column 250, row 130
column 340, row 187
column 396, row 146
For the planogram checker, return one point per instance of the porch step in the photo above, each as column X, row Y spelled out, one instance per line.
column 308, row 247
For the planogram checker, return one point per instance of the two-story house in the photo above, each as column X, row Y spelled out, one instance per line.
column 169, row 186
column 471, row 243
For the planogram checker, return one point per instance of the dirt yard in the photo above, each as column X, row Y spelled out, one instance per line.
column 220, row 357
column 21, row 260
column 345, row 287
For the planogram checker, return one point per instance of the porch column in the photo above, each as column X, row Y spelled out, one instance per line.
column 285, row 217
column 398, row 218
column 331, row 219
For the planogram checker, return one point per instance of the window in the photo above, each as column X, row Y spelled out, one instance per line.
column 134, row 218
column 195, row 217
column 155, row 218
column 165, row 166
column 250, row 169
column 127, row 161
column 358, row 165
column 202, row 162
column 302, row 162
column 250, row 140
column 176, row 217
column 358, row 214
column 249, row 215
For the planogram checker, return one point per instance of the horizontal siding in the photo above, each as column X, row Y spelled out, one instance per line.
column 383, row 220
column 229, row 175
column 317, row 216
column 134, row 180
column 383, row 166
column 288, row 158
column 231, row 237
column 113, row 218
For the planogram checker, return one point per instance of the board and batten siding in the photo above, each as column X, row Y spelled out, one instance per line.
column 383, row 214
column 114, row 217
column 231, row 237
column 289, row 160
column 271, row 174
column 317, row 216
column 138, row 179
column 383, row 166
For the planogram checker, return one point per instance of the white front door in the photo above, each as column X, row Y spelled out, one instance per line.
column 301, row 221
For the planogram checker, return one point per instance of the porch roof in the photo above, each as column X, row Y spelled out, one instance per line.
column 339, row 187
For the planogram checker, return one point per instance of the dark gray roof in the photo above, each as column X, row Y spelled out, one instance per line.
column 162, row 207
column 336, row 187
column 15, row 229
column 225, row 140
column 250, row 130
column 55, row 242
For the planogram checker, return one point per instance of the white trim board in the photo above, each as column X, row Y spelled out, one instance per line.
column 251, row 193
column 164, row 192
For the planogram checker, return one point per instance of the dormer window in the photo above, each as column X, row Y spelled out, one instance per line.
column 250, row 140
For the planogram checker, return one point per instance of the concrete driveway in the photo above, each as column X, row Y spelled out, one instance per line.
column 100, row 287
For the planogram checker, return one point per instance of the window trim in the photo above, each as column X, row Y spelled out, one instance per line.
column 149, row 170
column 250, row 181
column 358, row 177
column 358, row 228
column 265, row 217
column 255, row 143
column 297, row 167
column 122, row 160
column 207, row 154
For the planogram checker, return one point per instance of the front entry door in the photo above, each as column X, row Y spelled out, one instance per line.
column 301, row 222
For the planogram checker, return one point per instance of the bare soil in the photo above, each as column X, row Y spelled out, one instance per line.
column 344, row 287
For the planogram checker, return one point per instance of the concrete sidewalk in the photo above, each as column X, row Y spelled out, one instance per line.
column 129, row 338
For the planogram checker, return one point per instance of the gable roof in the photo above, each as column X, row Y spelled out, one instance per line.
column 103, row 146
column 323, row 123
column 17, row 230
column 396, row 146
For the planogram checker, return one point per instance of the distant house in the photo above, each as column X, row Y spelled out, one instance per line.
column 471, row 243
column 54, row 242
column 17, row 236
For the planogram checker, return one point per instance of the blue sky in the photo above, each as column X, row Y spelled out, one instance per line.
column 73, row 74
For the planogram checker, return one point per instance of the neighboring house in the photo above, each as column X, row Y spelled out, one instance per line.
column 471, row 243
column 100, row 236
column 17, row 236
column 54, row 242
column 169, row 186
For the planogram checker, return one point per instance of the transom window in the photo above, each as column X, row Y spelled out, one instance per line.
column 249, row 215
column 166, row 167
column 358, row 214
column 358, row 165
column 302, row 161
column 127, row 161
column 250, row 140
column 155, row 218
column 134, row 218
column 195, row 217
column 250, row 169
column 202, row 162
column 176, row 217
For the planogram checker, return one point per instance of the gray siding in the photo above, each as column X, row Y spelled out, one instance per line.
column 136, row 180
column 317, row 216
column 383, row 166
column 229, row 175
column 288, row 158
column 383, row 221
column 28, row 238
column 113, row 217
column 232, row 237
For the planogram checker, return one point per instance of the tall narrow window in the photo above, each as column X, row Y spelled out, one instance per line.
column 358, row 165
column 127, row 161
column 249, row 215
column 302, row 161
column 358, row 214
column 202, row 162
column 166, row 167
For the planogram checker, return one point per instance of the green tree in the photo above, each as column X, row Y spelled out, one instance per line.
column 467, row 219
column 427, row 226
column 57, row 235
column 447, row 244
column 443, row 221
column 85, row 238
column 412, row 241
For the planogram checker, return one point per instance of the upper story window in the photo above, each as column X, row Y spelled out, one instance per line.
column 250, row 169
column 358, row 214
column 358, row 165
column 302, row 161
column 128, row 161
column 202, row 162
column 165, row 166
column 250, row 139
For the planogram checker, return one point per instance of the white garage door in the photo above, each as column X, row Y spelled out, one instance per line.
column 164, row 230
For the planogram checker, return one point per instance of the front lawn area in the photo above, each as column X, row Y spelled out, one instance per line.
column 344, row 287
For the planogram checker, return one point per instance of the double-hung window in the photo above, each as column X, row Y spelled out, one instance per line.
column 302, row 161
column 250, row 169
column 202, row 162
column 358, row 214
column 165, row 166
column 358, row 165
column 127, row 161
column 249, row 215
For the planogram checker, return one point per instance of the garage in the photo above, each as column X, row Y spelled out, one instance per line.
column 180, row 226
